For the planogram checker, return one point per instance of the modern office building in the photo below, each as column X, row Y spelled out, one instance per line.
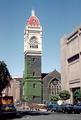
column 32, row 83
column 71, row 61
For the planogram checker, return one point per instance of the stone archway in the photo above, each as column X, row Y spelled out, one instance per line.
column 54, row 86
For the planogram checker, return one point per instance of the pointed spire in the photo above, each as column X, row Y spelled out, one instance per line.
column 33, row 12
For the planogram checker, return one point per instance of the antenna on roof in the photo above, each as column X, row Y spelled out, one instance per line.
column 33, row 12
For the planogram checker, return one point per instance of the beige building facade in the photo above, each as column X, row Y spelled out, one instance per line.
column 71, row 62
column 15, row 89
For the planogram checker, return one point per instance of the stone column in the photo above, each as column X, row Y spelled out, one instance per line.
column 71, row 98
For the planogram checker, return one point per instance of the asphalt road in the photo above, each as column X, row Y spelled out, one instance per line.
column 53, row 116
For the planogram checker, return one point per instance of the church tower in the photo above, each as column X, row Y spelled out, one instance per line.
column 32, row 84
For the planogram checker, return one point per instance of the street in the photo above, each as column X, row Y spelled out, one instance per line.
column 53, row 116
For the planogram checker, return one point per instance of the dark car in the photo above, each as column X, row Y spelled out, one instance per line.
column 60, row 108
column 77, row 108
column 55, row 107
column 8, row 109
column 67, row 108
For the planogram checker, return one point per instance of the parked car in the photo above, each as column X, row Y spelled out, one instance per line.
column 67, row 108
column 52, row 107
column 60, row 108
column 8, row 109
column 77, row 108
column 55, row 107
column 7, row 106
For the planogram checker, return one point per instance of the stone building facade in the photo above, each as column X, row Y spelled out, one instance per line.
column 15, row 89
column 71, row 62
column 51, row 85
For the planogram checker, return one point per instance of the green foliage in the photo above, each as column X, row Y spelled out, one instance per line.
column 77, row 95
column 5, row 76
column 54, row 98
column 24, row 99
column 64, row 95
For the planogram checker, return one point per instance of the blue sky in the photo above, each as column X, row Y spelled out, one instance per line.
column 57, row 17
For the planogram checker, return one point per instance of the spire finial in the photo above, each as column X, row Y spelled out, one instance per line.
column 33, row 12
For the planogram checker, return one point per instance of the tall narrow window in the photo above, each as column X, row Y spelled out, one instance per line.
column 34, row 85
column 33, row 59
column 33, row 73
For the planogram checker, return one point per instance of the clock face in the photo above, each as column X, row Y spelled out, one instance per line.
column 33, row 42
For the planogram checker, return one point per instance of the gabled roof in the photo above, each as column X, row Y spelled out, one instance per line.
column 52, row 75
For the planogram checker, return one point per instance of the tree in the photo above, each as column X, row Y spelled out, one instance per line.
column 64, row 95
column 5, row 76
column 77, row 95
column 54, row 98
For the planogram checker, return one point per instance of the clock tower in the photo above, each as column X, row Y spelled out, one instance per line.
column 32, row 84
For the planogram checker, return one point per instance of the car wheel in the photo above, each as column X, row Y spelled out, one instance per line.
column 63, row 111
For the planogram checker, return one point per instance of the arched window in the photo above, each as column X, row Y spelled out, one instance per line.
column 33, row 42
column 53, row 87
